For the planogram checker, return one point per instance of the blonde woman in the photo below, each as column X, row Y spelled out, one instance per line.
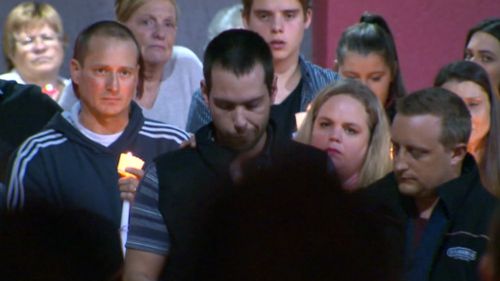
column 348, row 122
column 33, row 47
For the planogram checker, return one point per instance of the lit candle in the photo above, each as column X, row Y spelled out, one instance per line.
column 299, row 119
column 128, row 160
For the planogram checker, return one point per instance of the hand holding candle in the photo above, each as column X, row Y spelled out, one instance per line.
column 127, row 160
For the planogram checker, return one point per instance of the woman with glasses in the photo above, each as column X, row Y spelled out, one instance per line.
column 33, row 47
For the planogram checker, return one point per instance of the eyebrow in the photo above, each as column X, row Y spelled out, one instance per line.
column 487, row 52
column 281, row 11
column 411, row 146
column 219, row 100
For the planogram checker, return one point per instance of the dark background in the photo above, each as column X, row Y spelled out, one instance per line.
column 195, row 16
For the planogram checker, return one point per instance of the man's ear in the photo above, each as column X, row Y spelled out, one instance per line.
column 204, row 91
column 244, row 19
column 336, row 65
column 458, row 153
column 75, row 71
column 308, row 18
column 274, row 89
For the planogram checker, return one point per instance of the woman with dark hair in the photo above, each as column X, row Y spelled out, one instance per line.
column 367, row 52
column 470, row 81
column 482, row 46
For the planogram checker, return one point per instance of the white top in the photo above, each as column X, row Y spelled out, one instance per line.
column 181, row 78
column 73, row 117
column 15, row 76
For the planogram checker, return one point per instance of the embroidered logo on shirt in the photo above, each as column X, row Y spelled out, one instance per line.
column 461, row 253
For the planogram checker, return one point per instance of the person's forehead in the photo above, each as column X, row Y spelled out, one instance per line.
column 484, row 40
column 229, row 86
column 423, row 128
column 35, row 27
column 98, row 44
column 276, row 4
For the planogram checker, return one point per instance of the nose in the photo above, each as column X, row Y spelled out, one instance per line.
column 364, row 81
column 39, row 44
column 277, row 24
column 239, row 120
column 112, row 83
column 335, row 134
column 160, row 31
column 399, row 161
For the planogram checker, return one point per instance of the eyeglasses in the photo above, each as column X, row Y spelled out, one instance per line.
column 28, row 41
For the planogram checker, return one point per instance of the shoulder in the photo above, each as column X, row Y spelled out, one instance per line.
column 381, row 192
column 297, row 150
column 185, row 55
column 159, row 130
column 479, row 205
column 316, row 72
column 36, row 145
column 28, row 98
column 12, row 76
column 65, row 81
column 198, row 96
column 291, row 155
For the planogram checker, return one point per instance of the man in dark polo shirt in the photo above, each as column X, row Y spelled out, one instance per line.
column 178, row 192
column 435, row 191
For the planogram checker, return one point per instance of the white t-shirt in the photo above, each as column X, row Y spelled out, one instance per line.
column 104, row 140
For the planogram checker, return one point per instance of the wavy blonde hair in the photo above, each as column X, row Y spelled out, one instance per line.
column 377, row 160
column 124, row 9
column 28, row 15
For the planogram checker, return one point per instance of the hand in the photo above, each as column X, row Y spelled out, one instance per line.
column 190, row 143
column 128, row 184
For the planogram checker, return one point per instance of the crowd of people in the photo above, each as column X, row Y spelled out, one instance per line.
column 374, row 182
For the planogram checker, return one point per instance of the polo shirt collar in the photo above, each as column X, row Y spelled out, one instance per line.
column 454, row 192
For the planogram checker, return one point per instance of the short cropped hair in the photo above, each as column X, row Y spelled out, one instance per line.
column 238, row 51
column 107, row 29
column 377, row 160
column 439, row 102
column 247, row 6
column 124, row 9
column 28, row 15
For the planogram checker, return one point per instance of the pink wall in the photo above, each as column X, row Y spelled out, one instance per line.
column 428, row 33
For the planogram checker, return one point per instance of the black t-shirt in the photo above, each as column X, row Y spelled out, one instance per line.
column 24, row 110
column 283, row 114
